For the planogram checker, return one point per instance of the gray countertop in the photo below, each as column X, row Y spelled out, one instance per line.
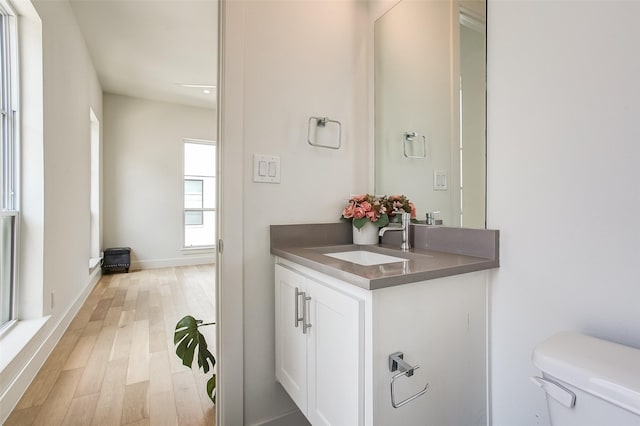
column 421, row 263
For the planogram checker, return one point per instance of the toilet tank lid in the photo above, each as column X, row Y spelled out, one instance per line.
column 605, row 369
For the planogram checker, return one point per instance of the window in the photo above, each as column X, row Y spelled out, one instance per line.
column 9, row 152
column 199, row 194
column 193, row 199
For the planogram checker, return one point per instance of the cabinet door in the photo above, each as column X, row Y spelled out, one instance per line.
column 291, row 344
column 335, row 358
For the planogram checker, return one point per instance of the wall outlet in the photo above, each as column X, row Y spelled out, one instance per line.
column 52, row 298
column 266, row 168
column 440, row 180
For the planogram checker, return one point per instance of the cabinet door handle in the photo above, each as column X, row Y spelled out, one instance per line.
column 297, row 317
column 305, row 313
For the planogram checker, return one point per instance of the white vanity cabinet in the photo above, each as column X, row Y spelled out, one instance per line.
column 319, row 348
column 338, row 371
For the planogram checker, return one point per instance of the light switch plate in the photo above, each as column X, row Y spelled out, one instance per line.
column 266, row 168
column 439, row 180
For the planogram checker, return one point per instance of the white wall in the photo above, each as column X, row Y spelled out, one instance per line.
column 300, row 59
column 143, row 151
column 563, row 108
column 70, row 87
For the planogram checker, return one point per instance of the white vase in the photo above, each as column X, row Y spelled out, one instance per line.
column 368, row 234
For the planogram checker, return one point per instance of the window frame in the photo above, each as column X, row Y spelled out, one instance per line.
column 186, row 177
column 10, row 150
column 195, row 209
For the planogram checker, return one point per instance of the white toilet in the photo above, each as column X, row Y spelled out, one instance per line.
column 589, row 381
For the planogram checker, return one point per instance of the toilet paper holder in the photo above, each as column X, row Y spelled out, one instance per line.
column 397, row 363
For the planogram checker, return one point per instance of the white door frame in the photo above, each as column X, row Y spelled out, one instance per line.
column 230, row 253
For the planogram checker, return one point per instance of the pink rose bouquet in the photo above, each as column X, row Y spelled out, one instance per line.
column 366, row 208
column 398, row 204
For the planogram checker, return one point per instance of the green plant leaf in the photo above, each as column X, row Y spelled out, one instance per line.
column 204, row 356
column 383, row 220
column 186, row 325
column 211, row 388
column 188, row 338
column 359, row 223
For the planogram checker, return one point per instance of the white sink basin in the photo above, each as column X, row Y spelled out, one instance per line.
column 365, row 258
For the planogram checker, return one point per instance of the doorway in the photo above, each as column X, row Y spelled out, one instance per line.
column 152, row 101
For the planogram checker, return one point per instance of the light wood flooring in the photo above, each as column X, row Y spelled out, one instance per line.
column 116, row 363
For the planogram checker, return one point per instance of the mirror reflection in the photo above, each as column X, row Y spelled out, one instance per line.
column 430, row 118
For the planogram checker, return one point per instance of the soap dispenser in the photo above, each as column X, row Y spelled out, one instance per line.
column 431, row 218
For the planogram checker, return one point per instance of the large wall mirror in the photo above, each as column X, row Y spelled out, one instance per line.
column 430, row 107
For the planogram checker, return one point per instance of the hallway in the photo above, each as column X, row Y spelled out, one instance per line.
column 116, row 363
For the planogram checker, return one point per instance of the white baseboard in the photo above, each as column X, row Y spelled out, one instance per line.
column 26, row 371
column 290, row 418
column 177, row 261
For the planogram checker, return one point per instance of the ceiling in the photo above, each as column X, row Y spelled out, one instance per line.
column 149, row 48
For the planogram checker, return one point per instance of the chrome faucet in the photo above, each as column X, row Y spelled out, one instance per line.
column 404, row 227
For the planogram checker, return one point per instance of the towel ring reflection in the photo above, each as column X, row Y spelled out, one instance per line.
column 409, row 138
